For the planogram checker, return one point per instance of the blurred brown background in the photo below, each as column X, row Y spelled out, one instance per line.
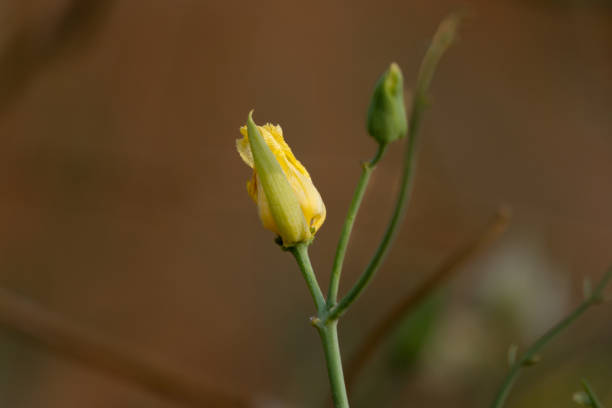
column 124, row 208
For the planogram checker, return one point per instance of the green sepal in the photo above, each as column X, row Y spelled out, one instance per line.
column 282, row 200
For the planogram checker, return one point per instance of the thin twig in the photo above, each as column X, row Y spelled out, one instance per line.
column 61, row 336
column 594, row 299
column 494, row 229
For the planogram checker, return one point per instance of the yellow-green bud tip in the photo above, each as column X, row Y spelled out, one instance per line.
column 394, row 80
column 387, row 113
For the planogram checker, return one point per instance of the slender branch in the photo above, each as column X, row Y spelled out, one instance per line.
column 593, row 399
column 595, row 298
column 300, row 252
column 61, row 336
column 452, row 264
column 441, row 41
column 368, row 168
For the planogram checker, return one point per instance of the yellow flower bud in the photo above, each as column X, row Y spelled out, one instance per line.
column 287, row 200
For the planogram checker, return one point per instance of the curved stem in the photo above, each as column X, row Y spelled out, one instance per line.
column 595, row 402
column 331, row 347
column 368, row 168
column 528, row 356
column 383, row 247
column 441, row 41
column 300, row 252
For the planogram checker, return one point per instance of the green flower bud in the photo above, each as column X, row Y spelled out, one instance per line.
column 387, row 113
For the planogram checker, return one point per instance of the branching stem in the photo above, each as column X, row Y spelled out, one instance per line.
column 442, row 39
column 595, row 298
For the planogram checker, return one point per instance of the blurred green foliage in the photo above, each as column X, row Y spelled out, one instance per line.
column 415, row 332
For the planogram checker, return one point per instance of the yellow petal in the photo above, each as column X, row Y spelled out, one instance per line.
column 308, row 197
column 252, row 187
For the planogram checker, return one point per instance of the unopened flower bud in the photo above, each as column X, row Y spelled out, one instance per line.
column 287, row 200
column 387, row 113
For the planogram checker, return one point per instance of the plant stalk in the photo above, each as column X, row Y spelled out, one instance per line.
column 328, row 332
column 442, row 40
column 515, row 370
column 300, row 252
column 331, row 347
column 595, row 402
column 368, row 168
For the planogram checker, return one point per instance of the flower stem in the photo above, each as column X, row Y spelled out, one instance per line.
column 368, row 168
column 328, row 332
column 329, row 338
column 387, row 239
column 595, row 403
column 512, row 375
column 300, row 252
column 441, row 41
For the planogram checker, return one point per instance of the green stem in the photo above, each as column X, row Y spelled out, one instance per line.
column 328, row 332
column 368, row 168
column 394, row 223
column 512, row 375
column 595, row 403
column 441, row 41
column 300, row 252
column 329, row 338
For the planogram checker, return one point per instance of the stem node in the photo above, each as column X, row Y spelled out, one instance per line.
column 315, row 321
